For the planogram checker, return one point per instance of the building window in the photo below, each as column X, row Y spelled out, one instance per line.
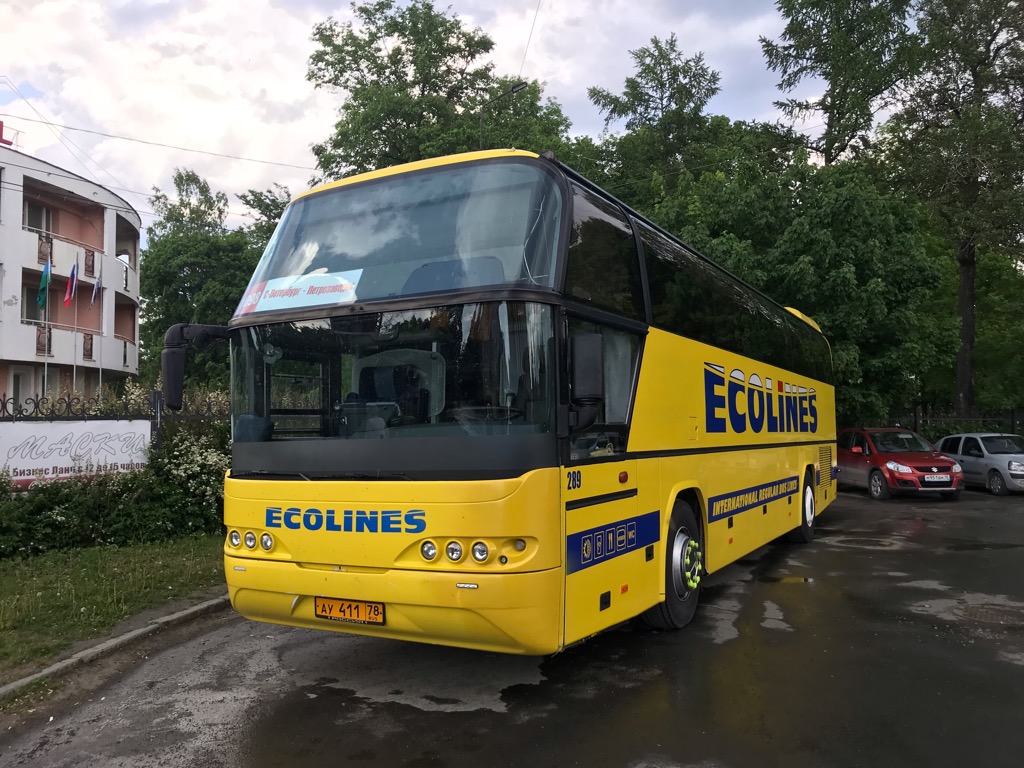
column 37, row 217
column 30, row 309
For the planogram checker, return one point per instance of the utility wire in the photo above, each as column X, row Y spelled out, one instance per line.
column 166, row 146
column 529, row 38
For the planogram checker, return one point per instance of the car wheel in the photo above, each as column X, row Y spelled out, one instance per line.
column 877, row 487
column 804, row 533
column 951, row 495
column 684, row 566
column 996, row 484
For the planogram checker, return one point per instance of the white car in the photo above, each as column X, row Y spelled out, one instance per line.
column 990, row 459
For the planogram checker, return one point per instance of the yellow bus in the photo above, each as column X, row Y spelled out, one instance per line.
column 479, row 402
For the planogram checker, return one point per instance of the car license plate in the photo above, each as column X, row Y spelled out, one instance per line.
column 937, row 478
column 352, row 611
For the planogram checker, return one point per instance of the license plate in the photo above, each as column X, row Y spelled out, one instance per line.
column 937, row 478
column 352, row 611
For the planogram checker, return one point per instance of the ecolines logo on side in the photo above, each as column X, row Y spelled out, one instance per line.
column 752, row 403
column 350, row 520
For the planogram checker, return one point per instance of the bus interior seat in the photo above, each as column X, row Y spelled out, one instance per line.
column 454, row 273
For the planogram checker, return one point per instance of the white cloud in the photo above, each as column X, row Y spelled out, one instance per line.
column 230, row 77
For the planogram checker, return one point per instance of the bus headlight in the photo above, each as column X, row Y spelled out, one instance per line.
column 266, row 541
column 454, row 551
column 480, row 552
column 250, row 540
column 429, row 550
column 235, row 539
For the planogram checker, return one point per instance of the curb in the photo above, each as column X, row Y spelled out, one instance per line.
column 107, row 646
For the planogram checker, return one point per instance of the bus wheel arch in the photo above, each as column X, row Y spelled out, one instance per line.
column 683, row 567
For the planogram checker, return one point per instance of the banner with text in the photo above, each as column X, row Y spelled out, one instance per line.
column 42, row 451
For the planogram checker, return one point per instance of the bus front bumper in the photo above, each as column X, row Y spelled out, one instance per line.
column 509, row 613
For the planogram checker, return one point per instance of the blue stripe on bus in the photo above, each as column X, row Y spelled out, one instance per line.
column 729, row 504
column 601, row 544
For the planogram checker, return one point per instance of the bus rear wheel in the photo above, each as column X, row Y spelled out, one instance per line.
column 684, row 566
column 804, row 533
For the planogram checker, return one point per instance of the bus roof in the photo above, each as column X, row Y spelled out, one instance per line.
column 419, row 165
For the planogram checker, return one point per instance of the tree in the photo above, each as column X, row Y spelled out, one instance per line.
column 839, row 246
column 268, row 206
column 192, row 271
column 662, row 105
column 958, row 142
column 414, row 81
column 860, row 48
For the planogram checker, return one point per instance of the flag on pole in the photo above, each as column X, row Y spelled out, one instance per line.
column 96, row 290
column 44, row 283
column 69, row 293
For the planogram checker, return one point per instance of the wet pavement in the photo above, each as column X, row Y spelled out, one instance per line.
column 896, row 638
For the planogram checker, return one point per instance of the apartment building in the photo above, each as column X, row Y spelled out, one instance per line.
column 51, row 342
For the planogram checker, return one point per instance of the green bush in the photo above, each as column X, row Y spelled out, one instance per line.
column 180, row 491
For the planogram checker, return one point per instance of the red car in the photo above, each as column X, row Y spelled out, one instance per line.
column 888, row 460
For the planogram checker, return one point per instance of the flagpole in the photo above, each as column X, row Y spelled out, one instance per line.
column 74, row 350
column 46, row 326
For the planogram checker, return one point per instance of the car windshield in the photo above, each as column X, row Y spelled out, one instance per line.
column 902, row 441
column 1003, row 443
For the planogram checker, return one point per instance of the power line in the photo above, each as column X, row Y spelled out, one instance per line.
column 529, row 37
column 61, row 137
column 165, row 146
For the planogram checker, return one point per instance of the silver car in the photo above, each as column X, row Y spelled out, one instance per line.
column 991, row 459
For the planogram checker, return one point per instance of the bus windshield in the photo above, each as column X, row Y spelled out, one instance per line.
column 481, row 224
column 370, row 381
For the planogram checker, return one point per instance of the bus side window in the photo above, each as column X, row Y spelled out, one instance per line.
column 604, row 266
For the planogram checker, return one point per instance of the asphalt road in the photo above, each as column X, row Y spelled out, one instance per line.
column 895, row 639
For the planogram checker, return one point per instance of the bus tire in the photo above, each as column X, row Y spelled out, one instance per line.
column 684, row 567
column 804, row 533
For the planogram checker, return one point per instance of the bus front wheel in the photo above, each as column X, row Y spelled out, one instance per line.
column 684, row 566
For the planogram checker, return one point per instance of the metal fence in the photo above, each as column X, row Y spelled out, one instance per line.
column 73, row 408
column 935, row 424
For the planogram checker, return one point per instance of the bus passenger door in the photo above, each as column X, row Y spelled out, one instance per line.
column 605, row 545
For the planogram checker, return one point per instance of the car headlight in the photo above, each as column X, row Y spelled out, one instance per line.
column 1016, row 466
column 957, row 467
column 895, row 466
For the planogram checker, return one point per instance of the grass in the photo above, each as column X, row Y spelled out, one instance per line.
column 50, row 602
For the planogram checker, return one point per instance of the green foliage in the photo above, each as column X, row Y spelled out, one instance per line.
column 268, row 206
column 193, row 271
column 860, row 48
column 955, row 140
column 416, row 86
column 180, row 491
column 833, row 243
column 999, row 354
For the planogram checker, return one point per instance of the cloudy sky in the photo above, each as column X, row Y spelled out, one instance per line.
column 228, row 78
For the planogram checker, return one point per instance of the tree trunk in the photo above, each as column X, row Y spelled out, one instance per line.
column 967, row 258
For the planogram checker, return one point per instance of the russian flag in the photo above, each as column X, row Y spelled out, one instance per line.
column 69, row 294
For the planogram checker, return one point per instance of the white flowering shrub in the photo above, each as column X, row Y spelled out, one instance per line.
column 193, row 465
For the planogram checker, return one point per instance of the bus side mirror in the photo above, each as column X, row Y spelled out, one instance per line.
column 172, row 371
column 586, row 381
column 172, row 358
